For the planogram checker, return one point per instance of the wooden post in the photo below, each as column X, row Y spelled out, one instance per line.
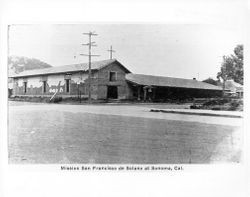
column 154, row 89
column 90, row 44
column 89, row 76
column 145, row 93
column 139, row 93
column 78, row 94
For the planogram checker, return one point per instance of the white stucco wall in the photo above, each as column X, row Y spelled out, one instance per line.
column 53, row 80
column 19, row 82
column 34, row 82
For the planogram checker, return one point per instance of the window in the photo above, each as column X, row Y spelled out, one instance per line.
column 67, row 85
column 44, row 86
column 25, row 86
column 112, row 76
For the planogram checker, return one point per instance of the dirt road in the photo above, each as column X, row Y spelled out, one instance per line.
column 52, row 133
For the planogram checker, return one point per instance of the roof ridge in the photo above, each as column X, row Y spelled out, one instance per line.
column 111, row 60
column 164, row 76
column 168, row 81
column 71, row 68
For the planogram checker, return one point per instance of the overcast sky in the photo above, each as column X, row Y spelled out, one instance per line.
column 176, row 49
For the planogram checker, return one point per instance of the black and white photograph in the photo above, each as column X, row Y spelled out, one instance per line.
column 125, row 94
column 107, row 98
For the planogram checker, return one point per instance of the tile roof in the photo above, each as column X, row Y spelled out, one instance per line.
column 67, row 68
column 149, row 80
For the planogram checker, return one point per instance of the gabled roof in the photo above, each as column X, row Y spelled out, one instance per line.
column 233, row 86
column 149, row 80
column 97, row 65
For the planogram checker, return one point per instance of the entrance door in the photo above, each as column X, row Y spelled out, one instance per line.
column 112, row 92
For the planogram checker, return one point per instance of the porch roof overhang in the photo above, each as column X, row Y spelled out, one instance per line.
column 159, row 81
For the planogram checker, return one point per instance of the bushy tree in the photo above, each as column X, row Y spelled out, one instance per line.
column 238, row 61
column 232, row 66
column 210, row 81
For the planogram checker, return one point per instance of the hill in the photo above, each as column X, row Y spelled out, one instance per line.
column 17, row 64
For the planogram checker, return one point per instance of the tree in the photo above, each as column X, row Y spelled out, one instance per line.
column 232, row 67
column 238, row 60
column 210, row 81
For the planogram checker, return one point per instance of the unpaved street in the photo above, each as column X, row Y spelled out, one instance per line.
column 61, row 133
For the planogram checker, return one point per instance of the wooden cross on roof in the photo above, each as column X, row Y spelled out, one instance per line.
column 111, row 51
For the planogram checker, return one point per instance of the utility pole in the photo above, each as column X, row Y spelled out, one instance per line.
column 90, row 44
column 110, row 52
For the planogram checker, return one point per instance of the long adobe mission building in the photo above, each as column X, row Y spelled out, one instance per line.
column 110, row 80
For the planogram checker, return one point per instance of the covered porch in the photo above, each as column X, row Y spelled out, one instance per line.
column 161, row 94
column 159, row 89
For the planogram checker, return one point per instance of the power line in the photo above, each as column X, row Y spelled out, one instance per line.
column 111, row 51
column 89, row 44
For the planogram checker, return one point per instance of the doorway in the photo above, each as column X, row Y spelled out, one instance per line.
column 112, row 92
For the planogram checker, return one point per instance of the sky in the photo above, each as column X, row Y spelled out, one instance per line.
column 175, row 49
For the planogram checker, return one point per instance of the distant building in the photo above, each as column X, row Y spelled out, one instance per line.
column 110, row 80
column 234, row 89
